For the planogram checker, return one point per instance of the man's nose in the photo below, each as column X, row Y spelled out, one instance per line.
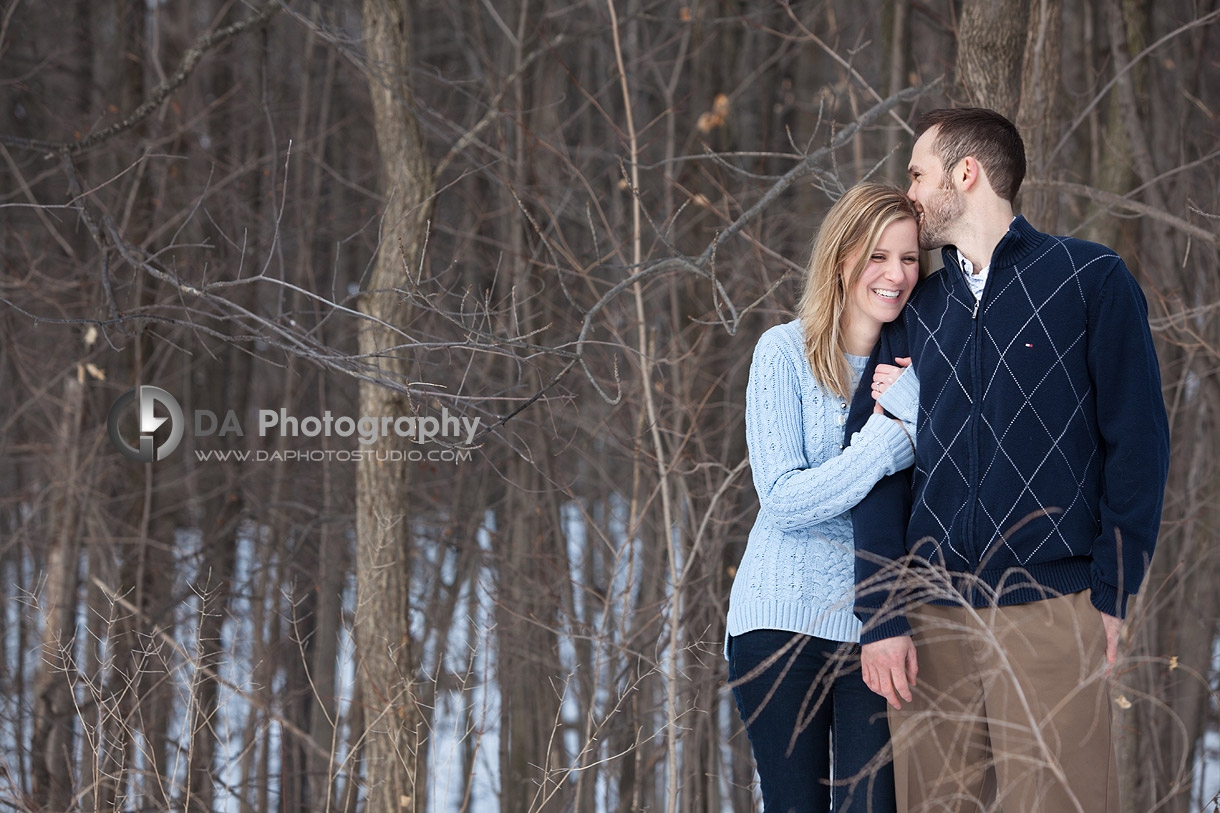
column 911, row 191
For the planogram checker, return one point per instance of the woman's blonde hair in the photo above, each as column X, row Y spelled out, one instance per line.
column 852, row 228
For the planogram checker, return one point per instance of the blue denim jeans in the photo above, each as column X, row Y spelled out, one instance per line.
column 813, row 691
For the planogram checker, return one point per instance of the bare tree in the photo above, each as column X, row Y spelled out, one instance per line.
column 571, row 222
column 394, row 748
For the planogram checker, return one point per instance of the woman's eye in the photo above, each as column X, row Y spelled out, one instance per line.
column 879, row 258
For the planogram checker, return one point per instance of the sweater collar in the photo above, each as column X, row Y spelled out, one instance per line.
column 1017, row 243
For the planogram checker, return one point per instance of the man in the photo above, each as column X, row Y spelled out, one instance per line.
column 993, row 579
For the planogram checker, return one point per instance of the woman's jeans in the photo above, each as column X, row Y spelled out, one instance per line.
column 815, row 690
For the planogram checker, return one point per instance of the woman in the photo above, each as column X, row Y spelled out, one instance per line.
column 791, row 632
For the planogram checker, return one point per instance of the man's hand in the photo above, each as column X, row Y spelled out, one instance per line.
column 889, row 668
column 1112, row 625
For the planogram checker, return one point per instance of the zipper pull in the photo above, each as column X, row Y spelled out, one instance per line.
column 975, row 315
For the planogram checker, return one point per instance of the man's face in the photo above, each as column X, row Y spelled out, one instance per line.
column 939, row 203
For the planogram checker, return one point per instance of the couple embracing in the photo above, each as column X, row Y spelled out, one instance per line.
column 931, row 596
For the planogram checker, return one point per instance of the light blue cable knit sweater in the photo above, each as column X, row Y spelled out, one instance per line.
column 798, row 570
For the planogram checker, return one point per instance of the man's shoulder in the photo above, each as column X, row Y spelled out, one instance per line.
column 1083, row 256
column 935, row 286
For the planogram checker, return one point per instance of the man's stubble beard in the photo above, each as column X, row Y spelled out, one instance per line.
column 939, row 215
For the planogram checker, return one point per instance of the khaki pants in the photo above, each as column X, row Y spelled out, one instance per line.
column 1011, row 711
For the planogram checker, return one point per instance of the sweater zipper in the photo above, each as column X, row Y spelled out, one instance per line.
column 973, row 551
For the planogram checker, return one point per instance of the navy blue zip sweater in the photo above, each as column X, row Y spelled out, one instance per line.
column 1043, row 444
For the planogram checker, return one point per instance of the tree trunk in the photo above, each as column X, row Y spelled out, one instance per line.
column 1116, row 170
column 1038, row 116
column 990, row 44
column 54, row 712
column 528, row 543
column 393, row 749
column 221, row 495
column 896, row 16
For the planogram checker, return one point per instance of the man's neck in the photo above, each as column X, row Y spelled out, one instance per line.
column 978, row 238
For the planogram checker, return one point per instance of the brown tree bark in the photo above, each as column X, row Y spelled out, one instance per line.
column 1039, row 115
column 53, row 743
column 393, row 751
column 990, row 45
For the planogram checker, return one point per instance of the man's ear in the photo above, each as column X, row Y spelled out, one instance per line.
column 967, row 173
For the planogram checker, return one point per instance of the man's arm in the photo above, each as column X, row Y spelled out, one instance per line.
column 1135, row 439
column 889, row 668
column 879, row 521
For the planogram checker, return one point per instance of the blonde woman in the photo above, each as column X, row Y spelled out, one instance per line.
column 792, row 636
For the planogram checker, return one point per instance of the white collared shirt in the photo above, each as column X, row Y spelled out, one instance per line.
column 976, row 281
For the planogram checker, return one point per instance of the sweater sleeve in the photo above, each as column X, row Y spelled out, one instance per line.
column 795, row 492
column 879, row 522
column 1134, row 432
column 902, row 400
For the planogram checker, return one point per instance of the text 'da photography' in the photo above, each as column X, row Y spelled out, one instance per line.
column 148, row 424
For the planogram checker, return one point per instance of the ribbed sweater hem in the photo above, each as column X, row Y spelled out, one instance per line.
column 1001, row 587
column 835, row 623
column 1016, row 585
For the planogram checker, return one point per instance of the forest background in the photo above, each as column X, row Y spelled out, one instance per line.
column 570, row 221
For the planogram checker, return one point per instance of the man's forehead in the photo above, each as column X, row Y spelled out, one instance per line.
column 924, row 142
column 919, row 153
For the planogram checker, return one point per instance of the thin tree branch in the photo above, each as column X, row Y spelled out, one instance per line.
column 1110, row 199
column 204, row 45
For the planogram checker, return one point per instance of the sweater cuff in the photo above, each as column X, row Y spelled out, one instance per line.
column 901, row 399
column 894, row 438
column 1108, row 599
column 892, row 627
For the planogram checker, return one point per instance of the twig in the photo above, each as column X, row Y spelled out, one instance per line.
column 190, row 60
column 1111, row 199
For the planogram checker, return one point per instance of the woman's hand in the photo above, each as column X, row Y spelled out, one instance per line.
column 886, row 374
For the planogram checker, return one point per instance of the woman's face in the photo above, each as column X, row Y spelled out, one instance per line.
column 889, row 274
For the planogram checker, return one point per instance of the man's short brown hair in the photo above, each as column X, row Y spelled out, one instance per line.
column 992, row 139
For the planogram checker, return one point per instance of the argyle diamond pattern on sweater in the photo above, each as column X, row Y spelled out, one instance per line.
column 1038, row 403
